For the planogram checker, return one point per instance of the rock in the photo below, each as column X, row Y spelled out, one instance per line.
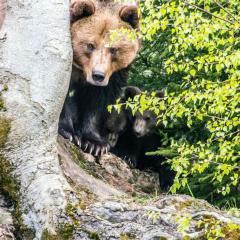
column 159, row 219
column 116, row 202
column 107, row 176
column 35, row 66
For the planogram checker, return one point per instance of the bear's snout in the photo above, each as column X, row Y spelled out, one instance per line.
column 139, row 127
column 98, row 76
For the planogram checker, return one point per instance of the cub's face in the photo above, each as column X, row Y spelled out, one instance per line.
column 96, row 54
column 144, row 124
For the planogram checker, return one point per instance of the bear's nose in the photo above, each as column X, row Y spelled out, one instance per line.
column 138, row 134
column 98, row 76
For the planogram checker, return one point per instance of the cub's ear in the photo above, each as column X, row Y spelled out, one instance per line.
column 80, row 9
column 130, row 92
column 129, row 14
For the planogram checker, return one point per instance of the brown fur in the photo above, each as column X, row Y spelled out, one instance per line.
column 100, row 69
column 94, row 32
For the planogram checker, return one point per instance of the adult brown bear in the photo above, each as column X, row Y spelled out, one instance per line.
column 100, row 68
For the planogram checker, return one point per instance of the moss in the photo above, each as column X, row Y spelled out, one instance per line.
column 184, row 204
column 2, row 106
column 47, row 236
column 65, row 233
column 7, row 182
column 144, row 199
column 131, row 181
column 5, row 87
column 231, row 231
column 192, row 204
column 77, row 156
column 127, row 236
column 80, row 160
column 215, row 229
column 84, row 196
column 71, row 211
column 4, row 130
column 9, row 186
column 94, row 236
column 68, row 230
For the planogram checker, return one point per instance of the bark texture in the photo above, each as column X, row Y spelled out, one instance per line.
column 35, row 65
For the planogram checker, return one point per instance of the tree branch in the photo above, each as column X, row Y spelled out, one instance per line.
column 224, row 9
column 205, row 11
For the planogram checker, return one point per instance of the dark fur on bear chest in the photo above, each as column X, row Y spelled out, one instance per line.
column 85, row 110
column 93, row 100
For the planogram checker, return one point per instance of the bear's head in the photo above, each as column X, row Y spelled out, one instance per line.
column 103, row 38
column 142, row 123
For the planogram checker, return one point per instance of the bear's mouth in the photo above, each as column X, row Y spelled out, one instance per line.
column 95, row 83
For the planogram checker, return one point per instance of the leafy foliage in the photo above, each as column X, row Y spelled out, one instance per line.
column 192, row 50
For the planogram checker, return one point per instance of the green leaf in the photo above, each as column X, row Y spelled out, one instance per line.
column 192, row 72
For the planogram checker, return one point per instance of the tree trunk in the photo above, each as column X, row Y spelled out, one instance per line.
column 35, row 64
column 58, row 190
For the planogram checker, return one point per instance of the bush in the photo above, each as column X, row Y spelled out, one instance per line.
column 191, row 49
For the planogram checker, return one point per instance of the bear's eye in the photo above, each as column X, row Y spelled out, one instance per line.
column 90, row 47
column 113, row 51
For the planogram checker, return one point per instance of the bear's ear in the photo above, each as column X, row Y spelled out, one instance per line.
column 80, row 9
column 129, row 14
column 131, row 92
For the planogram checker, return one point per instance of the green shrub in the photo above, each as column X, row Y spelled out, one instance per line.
column 192, row 50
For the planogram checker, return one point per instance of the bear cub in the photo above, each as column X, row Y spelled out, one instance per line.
column 135, row 135
column 100, row 69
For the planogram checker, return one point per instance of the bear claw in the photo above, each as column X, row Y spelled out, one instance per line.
column 97, row 151
column 91, row 149
column 66, row 134
column 77, row 140
column 85, row 146
column 103, row 151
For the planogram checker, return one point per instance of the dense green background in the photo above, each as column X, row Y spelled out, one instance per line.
column 191, row 49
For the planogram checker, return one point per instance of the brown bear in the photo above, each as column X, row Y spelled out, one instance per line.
column 104, row 45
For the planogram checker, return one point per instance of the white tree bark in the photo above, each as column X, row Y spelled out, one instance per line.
column 35, row 63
